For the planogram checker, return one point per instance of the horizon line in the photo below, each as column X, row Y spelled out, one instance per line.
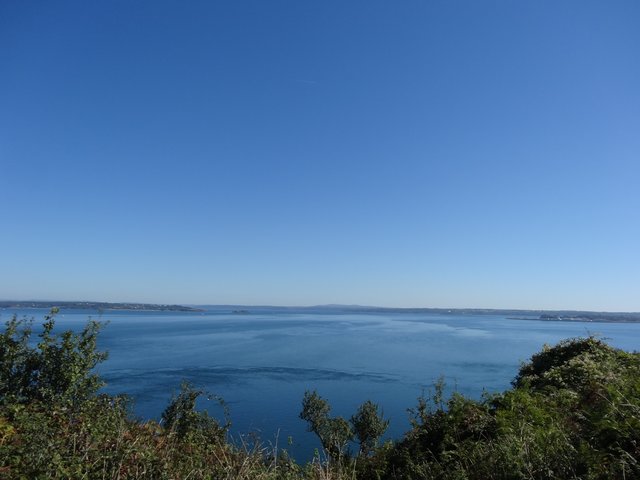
column 326, row 305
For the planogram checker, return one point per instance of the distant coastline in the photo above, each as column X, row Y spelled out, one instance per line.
column 586, row 317
column 511, row 314
column 99, row 306
column 545, row 315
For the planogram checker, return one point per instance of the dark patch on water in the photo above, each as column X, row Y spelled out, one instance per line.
column 238, row 375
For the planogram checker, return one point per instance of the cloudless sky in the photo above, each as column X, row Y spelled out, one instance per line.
column 394, row 153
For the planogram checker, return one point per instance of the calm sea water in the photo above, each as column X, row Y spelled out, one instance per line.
column 262, row 362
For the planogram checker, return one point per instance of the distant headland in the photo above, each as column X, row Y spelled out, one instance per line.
column 98, row 306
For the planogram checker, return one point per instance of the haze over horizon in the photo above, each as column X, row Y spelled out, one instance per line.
column 467, row 155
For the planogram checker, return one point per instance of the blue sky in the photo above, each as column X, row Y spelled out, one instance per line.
column 418, row 153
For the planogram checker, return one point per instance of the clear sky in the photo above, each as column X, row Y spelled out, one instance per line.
column 394, row 153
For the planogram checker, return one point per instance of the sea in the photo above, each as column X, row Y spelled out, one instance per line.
column 261, row 361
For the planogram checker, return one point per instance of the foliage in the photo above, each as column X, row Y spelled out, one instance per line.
column 368, row 426
column 574, row 412
column 58, row 369
column 334, row 433
column 182, row 419
column 315, row 411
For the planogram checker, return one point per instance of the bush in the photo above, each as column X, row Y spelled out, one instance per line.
column 58, row 369
column 334, row 433
column 574, row 412
column 368, row 426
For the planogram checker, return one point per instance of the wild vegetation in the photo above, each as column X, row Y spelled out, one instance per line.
column 573, row 412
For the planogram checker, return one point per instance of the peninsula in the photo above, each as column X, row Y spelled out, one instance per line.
column 98, row 306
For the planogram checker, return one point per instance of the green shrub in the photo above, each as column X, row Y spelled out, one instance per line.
column 368, row 426
column 58, row 369
column 574, row 412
